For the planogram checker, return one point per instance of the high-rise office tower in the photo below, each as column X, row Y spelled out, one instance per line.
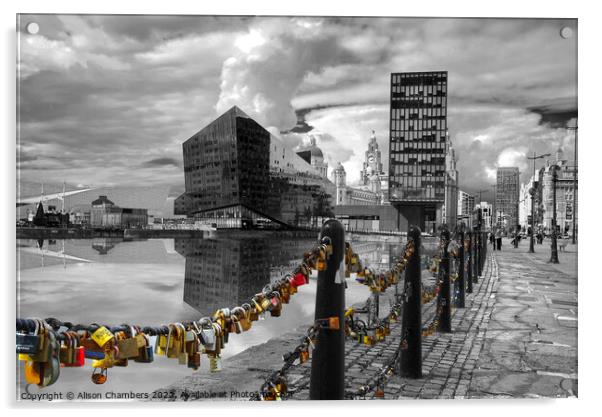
column 506, row 197
column 418, row 146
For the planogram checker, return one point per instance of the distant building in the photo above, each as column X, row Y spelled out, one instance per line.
column 506, row 197
column 418, row 146
column 450, row 206
column 524, row 203
column 486, row 215
column 466, row 203
column 105, row 214
column 346, row 195
column 49, row 218
column 565, row 212
column 237, row 175
column 313, row 156
column 372, row 175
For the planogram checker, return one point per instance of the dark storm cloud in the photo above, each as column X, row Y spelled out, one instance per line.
column 159, row 162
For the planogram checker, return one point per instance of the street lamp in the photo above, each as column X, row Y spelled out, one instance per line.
column 532, row 192
column 554, row 257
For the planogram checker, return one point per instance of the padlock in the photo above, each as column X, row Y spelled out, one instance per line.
column 183, row 354
column 284, row 292
column 207, row 336
column 99, row 377
column 66, row 350
column 101, row 336
column 215, row 363
column 32, row 372
column 276, row 305
column 145, row 353
column 303, row 356
column 242, row 313
column 43, row 353
column 28, row 343
column 128, row 347
column 194, row 361
column 161, row 342
column 174, row 342
column 50, row 370
column 321, row 259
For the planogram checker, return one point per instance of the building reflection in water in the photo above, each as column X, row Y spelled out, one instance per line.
column 104, row 245
column 228, row 272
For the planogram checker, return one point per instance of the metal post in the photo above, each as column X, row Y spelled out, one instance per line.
column 460, row 302
column 532, row 193
column 469, row 264
column 444, row 298
column 554, row 256
column 410, row 364
column 327, row 380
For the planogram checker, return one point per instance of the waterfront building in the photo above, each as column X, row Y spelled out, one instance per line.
column 347, row 195
column 450, row 206
column 507, row 197
column 237, row 175
column 418, row 146
column 372, row 176
column 313, row 155
column 105, row 214
column 466, row 205
column 524, row 204
column 565, row 212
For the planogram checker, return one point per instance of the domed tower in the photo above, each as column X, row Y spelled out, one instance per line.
column 312, row 154
column 559, row 155
column 340, row 176
column 372, row 163
column 340, row 181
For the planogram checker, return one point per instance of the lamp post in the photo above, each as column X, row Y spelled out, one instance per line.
column 554, row 257
column 532, row 192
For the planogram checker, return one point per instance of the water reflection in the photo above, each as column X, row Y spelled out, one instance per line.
column 228, row 272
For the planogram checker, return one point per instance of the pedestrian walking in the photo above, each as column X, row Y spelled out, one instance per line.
column 492, row 239
column 498, row 238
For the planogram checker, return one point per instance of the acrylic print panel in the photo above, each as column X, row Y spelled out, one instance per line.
column 292, row 208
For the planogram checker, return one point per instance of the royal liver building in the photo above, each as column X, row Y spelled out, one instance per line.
column 372, row 174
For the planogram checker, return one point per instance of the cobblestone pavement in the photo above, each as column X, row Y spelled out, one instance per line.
column 517, row 337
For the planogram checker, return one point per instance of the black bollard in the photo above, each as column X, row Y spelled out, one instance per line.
column 469, row 264
column 460, row 301
column 410, row 363
column 444, row 297
column 327, row 380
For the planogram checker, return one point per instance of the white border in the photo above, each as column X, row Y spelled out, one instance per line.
column 589, row 201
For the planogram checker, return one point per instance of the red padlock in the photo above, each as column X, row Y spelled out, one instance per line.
column 80, row 359
column 298, row 279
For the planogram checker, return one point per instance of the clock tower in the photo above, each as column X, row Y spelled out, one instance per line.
column 372, row 163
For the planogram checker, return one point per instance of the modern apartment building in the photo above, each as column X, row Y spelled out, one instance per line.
column 506, row 197
column 418, row 146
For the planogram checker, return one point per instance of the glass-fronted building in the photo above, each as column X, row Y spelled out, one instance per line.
column 237, row 175
column 418, row 145
column 506, row 197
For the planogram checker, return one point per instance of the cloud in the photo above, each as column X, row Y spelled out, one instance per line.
column 159, row 162
column 99, row 95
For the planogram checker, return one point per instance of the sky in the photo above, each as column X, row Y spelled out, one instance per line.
column 108, row 100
